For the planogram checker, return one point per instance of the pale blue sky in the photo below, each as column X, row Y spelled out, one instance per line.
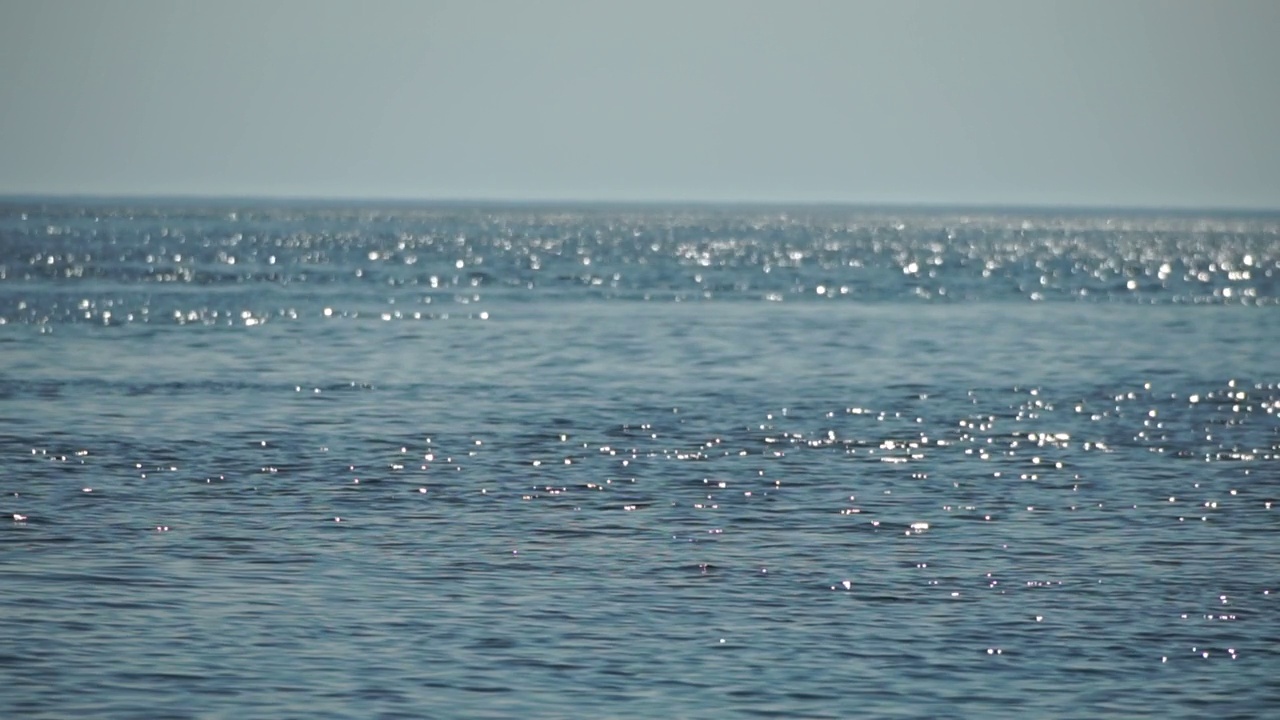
column 1139, row 103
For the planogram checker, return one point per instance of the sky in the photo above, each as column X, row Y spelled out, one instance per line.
column 1135, row 103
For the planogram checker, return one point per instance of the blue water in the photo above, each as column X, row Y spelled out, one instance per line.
column 514, row 461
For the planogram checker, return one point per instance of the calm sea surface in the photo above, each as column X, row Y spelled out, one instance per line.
column 316, row 461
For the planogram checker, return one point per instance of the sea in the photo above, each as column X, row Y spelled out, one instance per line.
column 287, row 459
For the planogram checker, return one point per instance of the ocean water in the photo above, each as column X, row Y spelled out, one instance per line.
column 395, row 461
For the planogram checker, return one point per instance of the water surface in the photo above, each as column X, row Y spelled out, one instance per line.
column 481, row 461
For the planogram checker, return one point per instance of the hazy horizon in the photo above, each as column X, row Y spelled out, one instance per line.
column 504, row 202
column 1137, row 104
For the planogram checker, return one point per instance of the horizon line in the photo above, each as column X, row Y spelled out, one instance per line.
column 404, row 200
